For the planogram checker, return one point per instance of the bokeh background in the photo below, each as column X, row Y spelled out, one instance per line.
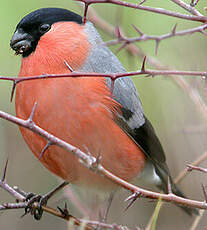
column 178, row 122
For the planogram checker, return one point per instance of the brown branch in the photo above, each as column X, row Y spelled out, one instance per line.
column 147, row 8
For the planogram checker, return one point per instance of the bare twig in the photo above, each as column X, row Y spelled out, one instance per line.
column 24, row 204
column 112, row 76
column 198, row 161
column 147, row 8
column 157, row 39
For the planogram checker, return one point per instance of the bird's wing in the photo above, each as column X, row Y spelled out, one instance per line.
column 131, row 119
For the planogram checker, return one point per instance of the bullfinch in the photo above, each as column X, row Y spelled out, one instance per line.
column 84, row 111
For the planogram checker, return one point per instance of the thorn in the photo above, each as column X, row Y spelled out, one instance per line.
column 132, row 199
column 122, row 47
column 87, row 150
column 69, row 67
column 204, row 192
column 13, row 90
column 149, row 75
column 112, row 85
column 30, row 119
column 85, row 12
column 143, row 1
column 169, row 187
column 157, row 46
column 203, row 32
column 49, row 143
column 98, row 159
column 5, row 170
column 137, row 30
column 143, row 64
column 173, row 31
column 118, row 33
column 64, row 211
column 24, row 214
column 189, row 168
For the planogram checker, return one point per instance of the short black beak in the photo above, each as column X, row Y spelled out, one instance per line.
column 21, row 42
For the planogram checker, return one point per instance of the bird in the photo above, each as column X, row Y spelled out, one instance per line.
column 84, row 111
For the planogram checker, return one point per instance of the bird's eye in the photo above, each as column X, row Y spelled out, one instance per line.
column 44, row 28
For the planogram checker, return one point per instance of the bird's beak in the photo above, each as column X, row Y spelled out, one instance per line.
column 21, row 42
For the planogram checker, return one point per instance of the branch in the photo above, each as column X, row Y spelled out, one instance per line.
column 192, row 167
column 145, row 37
column 146, row 8
column 22, row 203
column 190, row 8
column 112, row 76
column 64, row 214
column 90, row 162
column 197, row 162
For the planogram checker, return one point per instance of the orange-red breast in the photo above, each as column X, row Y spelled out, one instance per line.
column 82, row 111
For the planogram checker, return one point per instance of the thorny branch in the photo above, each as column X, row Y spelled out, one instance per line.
column 90, row 162
column 23, row 203
column 199, row 18
column 112, row 76
column 62, row 213
column 144, row 37
column 145, row 8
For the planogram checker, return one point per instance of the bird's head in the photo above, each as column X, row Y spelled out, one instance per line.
column 50, row 36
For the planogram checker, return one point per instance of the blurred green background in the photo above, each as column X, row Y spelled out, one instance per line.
column 178, row 123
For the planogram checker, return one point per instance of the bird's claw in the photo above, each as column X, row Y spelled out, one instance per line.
column 35, row 210
column 64, row 211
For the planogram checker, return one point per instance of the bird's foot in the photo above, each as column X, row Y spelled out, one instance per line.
column 35, row 204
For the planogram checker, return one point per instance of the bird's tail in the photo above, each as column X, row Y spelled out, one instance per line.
column 176, row 190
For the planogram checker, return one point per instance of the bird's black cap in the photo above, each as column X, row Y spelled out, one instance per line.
column 37, row 23
column 49, row 16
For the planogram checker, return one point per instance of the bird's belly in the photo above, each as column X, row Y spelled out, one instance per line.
column 84, row 123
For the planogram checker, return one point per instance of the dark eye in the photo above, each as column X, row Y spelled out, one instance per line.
column 44, row 28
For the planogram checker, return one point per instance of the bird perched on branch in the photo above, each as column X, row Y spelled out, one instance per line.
column 84, row 111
